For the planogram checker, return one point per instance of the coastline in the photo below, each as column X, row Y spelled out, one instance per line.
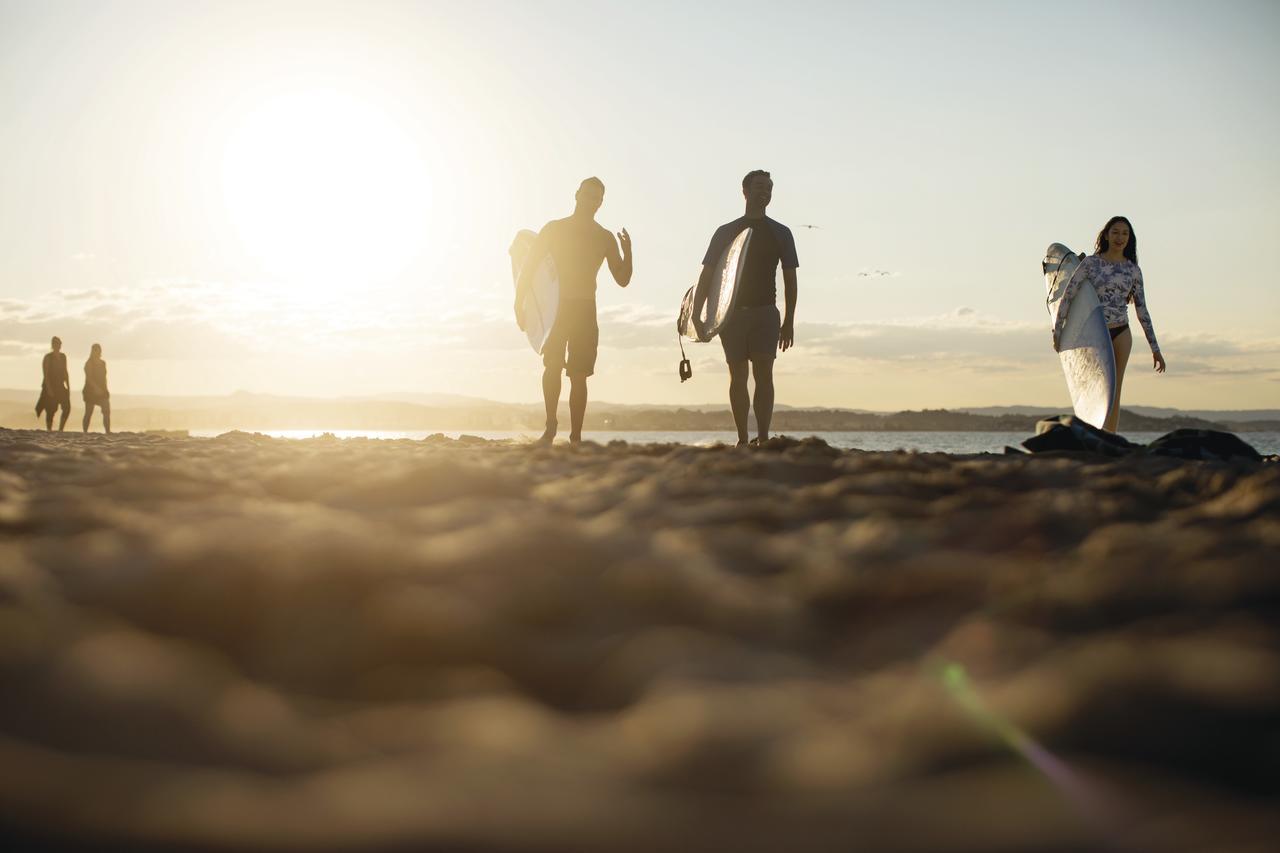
column 528, row 419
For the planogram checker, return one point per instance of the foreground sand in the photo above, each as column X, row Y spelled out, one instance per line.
column 252, row 644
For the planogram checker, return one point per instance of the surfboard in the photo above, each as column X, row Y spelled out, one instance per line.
column 1088, row 359
column 544, row 291
column 722, row 294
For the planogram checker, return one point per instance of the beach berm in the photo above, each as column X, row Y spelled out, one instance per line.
column 255, row 644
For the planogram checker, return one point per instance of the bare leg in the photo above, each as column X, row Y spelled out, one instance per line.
column 739, row 399
column 106, row 416
column 48, row 419
column 577, row 407
column 88, row 416
column 762, row 400
column 550, row 396
column 1122, row 344
column 66, row 415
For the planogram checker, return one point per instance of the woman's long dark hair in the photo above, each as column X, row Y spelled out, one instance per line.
column 1130, row 248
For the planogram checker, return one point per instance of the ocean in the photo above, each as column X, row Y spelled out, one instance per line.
column 1266, row 443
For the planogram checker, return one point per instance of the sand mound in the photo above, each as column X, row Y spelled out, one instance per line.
column 252, row 644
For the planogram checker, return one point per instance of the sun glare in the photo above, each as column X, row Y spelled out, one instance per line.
column 327, row 191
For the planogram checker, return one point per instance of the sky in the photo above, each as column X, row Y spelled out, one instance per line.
column 317, row 198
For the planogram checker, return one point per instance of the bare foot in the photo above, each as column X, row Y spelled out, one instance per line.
column 548, row 436
column 742, row 442
column 575, row 438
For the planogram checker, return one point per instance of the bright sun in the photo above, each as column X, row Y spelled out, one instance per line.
column 327, row 191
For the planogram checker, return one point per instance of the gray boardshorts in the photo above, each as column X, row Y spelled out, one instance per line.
column 751, row 334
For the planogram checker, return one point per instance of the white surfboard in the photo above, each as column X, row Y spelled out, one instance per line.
column 544, row 291
column 722, row 295
column 1085, row 349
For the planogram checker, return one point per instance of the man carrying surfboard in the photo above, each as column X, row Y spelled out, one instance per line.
column 754, row 333
column 578, row 245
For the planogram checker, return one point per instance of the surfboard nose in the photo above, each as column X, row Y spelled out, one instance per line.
column 1054, row 256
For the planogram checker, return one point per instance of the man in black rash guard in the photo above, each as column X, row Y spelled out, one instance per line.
column 578, row 245
column 754, row 333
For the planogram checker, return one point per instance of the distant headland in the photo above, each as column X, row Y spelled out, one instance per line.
column 409, row 411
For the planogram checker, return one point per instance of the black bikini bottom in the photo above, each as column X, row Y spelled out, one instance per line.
column 1118, row 331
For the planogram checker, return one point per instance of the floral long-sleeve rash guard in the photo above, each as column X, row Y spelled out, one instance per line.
column 1117, row 284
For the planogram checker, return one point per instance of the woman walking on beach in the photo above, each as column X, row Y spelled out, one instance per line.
column 95, row 389
column 1114, row 273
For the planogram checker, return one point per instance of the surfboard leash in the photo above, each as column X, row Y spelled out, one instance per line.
column 686, row 369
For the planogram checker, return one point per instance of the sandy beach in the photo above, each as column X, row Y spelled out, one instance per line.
column 255, row 644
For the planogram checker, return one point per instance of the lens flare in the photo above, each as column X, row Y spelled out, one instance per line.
column 1082, row 796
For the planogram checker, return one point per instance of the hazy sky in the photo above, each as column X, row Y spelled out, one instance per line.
column 317, row 198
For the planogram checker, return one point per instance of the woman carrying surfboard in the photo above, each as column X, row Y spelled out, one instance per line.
column 1114, row 273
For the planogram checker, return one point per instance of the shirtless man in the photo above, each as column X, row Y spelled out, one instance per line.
column 55, row 392
column 578, row 245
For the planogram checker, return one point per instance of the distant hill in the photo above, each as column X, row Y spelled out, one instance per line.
column 1210, row 414
column 1218, row 415
column 995, row 411
column 453, row 412
column 838, row 420
column 422, row 399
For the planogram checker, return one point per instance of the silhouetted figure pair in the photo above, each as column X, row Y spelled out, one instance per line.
column 751, row 337
column 55, row 390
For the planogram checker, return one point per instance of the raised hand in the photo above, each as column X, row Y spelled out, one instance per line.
column 625, row 240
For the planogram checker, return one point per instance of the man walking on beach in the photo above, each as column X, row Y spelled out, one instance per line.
column 578, row 245
column 754, row 333
column 55, row 391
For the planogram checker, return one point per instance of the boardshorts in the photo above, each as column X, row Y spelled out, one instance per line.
column 576, row 331
column 751, row 334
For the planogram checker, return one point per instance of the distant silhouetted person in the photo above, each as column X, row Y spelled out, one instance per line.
column 55, row 392
column 95, row 389
column 578, row 245
column 754, row 332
